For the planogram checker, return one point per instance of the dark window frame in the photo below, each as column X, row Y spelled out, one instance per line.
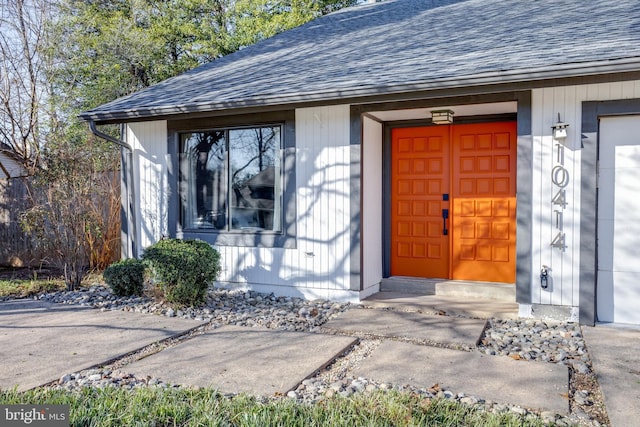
column 227, row 218
column 286, row 237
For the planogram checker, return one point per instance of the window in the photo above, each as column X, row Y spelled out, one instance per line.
column 230, row 179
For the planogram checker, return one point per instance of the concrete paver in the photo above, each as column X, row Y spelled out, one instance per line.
column 236, row 359
column 497, row 378
column 449, row 305
column 412, row 325
column 615, row 353
column 40, row 341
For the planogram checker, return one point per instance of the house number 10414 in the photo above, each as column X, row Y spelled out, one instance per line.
column 560, row 179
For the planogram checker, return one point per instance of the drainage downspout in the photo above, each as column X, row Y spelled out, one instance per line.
column 131, row 209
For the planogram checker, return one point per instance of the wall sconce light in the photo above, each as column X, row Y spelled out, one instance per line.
column 559, row 130
column 442, row 117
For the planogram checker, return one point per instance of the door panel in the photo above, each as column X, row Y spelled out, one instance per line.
column 470, row 171
column 484, row 202
column 420, row 176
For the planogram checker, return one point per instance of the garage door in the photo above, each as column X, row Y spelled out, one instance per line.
column 618, row 281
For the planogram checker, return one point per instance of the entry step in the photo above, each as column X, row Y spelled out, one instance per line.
column 454, row 288
column 448, row 306
column 409, row 285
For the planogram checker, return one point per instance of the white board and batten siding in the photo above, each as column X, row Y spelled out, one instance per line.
column 319, row 265
column 9, row 168
column 150, row 161
column 550, row 219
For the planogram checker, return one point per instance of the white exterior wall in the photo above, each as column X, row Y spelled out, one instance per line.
column 319, row 267
column 372, row 206
column 149, row 143
column 9, row 168
column 564, row 265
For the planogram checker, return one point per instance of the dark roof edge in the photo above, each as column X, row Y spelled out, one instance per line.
column 515, row 76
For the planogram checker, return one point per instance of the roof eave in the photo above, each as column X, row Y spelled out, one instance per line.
column 623, row 65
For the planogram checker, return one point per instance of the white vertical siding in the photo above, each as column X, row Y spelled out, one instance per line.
column 9, row 168
column 372, row 204
column 149, row 143
column 546, row 104
column 319, row 265
column 323, row 177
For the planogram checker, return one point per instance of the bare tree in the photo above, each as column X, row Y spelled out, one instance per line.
column 22, row 78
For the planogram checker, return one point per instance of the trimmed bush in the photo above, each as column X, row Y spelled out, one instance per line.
column 183, row 269
column 126, row 277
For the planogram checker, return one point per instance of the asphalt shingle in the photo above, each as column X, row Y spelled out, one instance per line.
column 402, row 45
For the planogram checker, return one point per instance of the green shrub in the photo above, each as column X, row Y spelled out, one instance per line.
column 126, row 277
column 183, row 269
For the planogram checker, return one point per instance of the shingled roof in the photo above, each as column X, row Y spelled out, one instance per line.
column 400, row 46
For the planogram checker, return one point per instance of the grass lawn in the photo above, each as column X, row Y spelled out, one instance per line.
column 205, row 407
column 19, row 286
column 22, row 288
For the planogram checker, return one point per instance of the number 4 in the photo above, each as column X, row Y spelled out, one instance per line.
column 560, row 198
column 558, row 242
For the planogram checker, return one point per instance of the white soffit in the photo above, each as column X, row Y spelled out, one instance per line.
column 458, row 111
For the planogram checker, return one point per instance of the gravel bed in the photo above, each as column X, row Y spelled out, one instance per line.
column 542, row 341
column 523, row 339
column 222, row 307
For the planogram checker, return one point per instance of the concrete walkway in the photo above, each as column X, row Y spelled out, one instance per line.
column 500, row 379
column 238, row 359
column 409, row 325
column 39, row 341
column 615, row 353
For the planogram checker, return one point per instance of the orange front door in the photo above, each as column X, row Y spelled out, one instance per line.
column 420, row 177
column 453, row 202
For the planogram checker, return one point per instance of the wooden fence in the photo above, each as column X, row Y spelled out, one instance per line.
column 16, row 247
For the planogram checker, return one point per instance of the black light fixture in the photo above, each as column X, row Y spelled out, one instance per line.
column 442, row 117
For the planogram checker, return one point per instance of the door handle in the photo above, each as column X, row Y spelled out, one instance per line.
column 445, row 215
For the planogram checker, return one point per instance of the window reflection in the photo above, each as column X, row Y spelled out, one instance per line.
column 231, row 179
